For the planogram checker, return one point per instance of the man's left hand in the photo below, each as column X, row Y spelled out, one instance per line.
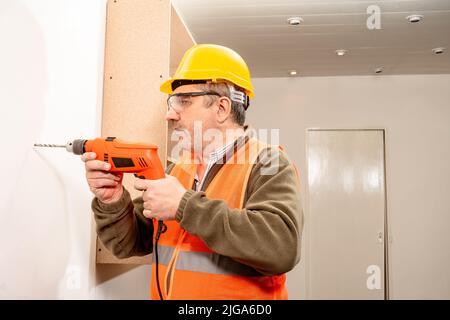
column 161, row 197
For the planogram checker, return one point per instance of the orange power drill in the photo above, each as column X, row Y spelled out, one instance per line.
column 140, row 159
column 137, row 158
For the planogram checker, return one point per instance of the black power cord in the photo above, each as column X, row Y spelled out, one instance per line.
column 161, row 229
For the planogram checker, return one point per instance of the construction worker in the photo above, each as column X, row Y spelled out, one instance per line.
column 231, row 230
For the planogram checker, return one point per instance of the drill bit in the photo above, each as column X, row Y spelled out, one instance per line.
column 76, row 146
column 49, row 145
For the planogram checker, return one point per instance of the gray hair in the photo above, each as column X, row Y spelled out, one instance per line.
column 227, row 89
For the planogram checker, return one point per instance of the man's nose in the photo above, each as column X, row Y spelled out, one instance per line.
column 172, row 115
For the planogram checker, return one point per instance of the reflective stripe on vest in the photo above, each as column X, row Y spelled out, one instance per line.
column 209, row 262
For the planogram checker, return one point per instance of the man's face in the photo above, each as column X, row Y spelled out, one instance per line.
column 189, row 112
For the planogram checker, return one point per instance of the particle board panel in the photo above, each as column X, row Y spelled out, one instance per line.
column 180, row 41
column 137, row 54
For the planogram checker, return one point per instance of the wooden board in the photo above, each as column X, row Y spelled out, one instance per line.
column 136, row 62
column 180, row 41
column 145, row 41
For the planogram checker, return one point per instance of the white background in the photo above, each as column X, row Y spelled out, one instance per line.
column 51, row 73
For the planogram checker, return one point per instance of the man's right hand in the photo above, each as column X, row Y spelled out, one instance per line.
column 106, row 186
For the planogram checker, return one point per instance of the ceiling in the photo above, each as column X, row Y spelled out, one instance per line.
column 259, row 31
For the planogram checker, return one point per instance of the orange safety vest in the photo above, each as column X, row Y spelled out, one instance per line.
column 188, row 269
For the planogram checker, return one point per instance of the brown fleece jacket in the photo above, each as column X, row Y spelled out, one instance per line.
column 265, row 234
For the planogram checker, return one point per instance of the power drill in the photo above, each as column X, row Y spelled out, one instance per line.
column 137, row 158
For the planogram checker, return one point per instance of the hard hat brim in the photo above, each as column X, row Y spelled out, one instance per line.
column 166, row 87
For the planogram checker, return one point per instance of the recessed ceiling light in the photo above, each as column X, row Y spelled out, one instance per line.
column 293, row 72
column 414, row 18
column 378, row 70
column 294, row 21
column 438, row 50
column 341, row 52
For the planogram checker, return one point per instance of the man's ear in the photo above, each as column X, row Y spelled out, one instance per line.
column 224, row 109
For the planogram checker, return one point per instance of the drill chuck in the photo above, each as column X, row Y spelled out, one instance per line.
column 76, row 146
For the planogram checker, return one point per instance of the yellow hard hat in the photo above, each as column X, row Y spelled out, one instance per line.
column 211, row 62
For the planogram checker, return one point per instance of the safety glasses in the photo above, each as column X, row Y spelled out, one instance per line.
column 179, row 101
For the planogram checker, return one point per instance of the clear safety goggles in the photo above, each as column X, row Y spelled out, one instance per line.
column 179, row 101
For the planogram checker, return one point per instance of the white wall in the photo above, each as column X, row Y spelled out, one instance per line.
column 415, row 111
column 51, row 73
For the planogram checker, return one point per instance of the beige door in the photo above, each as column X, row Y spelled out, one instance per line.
column 345, row 252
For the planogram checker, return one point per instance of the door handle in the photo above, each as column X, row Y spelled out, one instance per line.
column 380, row 236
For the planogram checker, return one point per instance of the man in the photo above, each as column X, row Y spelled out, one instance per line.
column 232, row 219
